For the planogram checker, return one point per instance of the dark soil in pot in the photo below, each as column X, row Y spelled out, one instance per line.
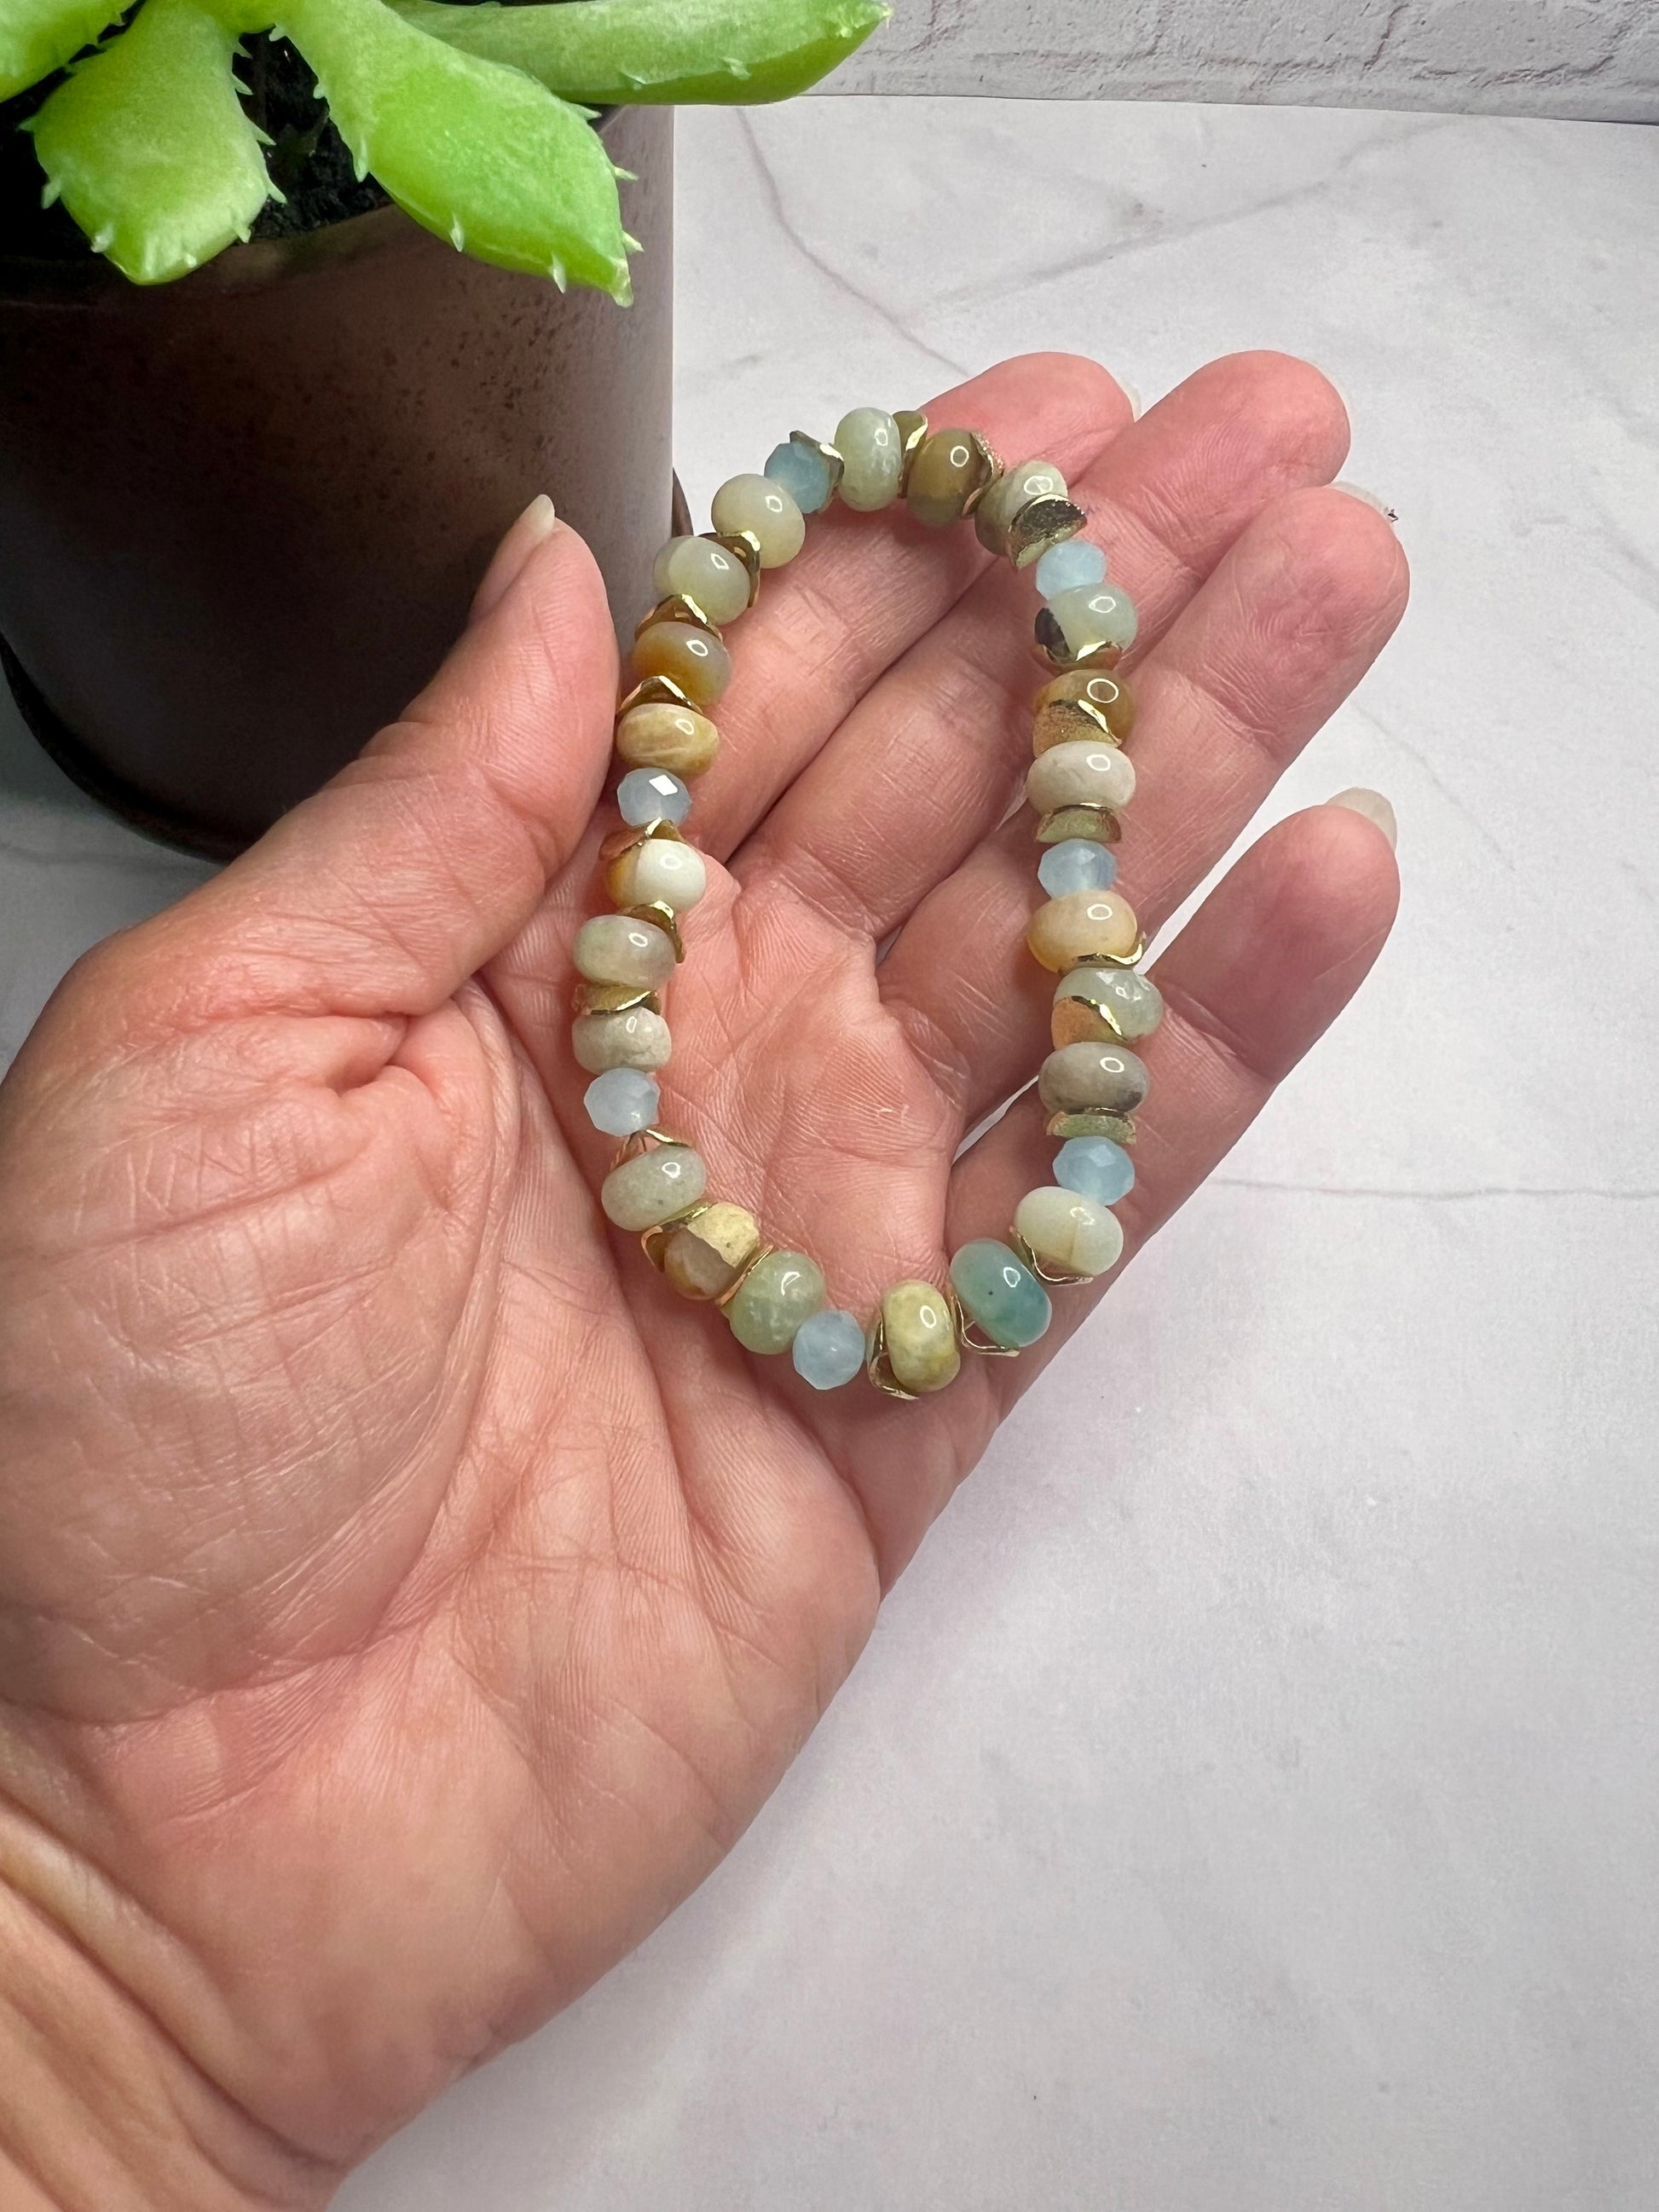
column 241, row 515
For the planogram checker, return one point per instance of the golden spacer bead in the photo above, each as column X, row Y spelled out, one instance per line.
column 1039, row 524
column 1093, row 1121
column 1096, row 822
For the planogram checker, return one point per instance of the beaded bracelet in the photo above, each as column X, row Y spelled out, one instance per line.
column 773, row 1300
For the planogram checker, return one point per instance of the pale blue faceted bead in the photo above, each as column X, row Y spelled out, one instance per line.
column 1076, row 864
column 829, row 1348
column 1095, row 1168
column 651, row 794
column 1067, row 567
column 804, row 475
column 622, row 1100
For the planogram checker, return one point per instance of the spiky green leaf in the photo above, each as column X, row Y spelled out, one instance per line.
column 481, row 155
column 607, row 52
column 38, row 36
column 149, row 147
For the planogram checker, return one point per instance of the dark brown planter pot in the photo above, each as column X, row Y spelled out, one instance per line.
column 241, row 516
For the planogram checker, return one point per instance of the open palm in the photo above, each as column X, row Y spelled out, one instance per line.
column 404, row 1597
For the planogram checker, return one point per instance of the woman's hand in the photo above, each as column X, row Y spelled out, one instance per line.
column 404, row 1597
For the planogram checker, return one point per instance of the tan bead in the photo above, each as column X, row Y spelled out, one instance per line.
column 766, row 511
column 638, row 1038
column 1012, row 490
column 1072, row 1236
column 1090, row 772
column 653, row 1187
column 949, row 468
column 698, row 663
column 697, row 568
column 658, row 869
column 703, row 1258
column 1102, row 1078
column 1082, row 927
column 1084, row 703
column 920, row 1335
column 614, row 948
column 677, row 738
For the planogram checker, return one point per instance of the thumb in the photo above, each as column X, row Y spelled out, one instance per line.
column 384, row 891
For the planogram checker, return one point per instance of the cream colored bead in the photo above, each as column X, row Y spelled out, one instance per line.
column 658, row 868
column 1080, row 928
column 767, row 512
column 920, row 1337
column 697, row 568
column 638, row 1038
column 613, row 948
column 677, row 738
column 1017, row 487
column 1071, row 1235
column 871, row 450
column 703, row 1258
column 1083, row 773
column 653, row 1186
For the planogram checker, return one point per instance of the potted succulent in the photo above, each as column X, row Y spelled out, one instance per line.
column 300, row 301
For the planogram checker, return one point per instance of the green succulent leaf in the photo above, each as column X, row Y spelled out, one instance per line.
column 611, row 52
column 148, row 146
column 38, row 36
column 480, row 153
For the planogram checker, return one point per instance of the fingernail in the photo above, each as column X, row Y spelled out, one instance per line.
column 1366, row 498
column 532, row 526
column 1375, row 808
column 1137, row 405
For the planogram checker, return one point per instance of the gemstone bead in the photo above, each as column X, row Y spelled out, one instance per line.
column 638, row 1038
column 660, row 735
column 614, row 948
column 698, row 569
column 1074, row 565
column 1079, row 623
column 1081, row 774
column 949, row 467
column 1076, row 864
column 998, row 1291
column 1015, row 489
column 1094, row 1167
column 1078, row 929
column 703, row 1258
column 920, row 1337
column 653, row 1186
column 829, row 1348
column 1125, row 1004
column 622, row 1102
column 873, row 456
column 651, row 794
column 1106, row 1077
column 690, row 657
column 763, row 508
column 658, row 868
column 1069, row 1233
column 779, row 1292
column 804, row 475
column 1076, row 704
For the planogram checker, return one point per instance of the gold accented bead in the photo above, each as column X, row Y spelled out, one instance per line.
column 627, row 949
column 1012, row 491
column 1119, row 1127
column 624, row 839
column 708, row 576
column 950, row 474
column 613, row 999
column 763, row 510
column 919, row 1338
column 1110, row 695
column 657, row 871
column 638, row 1038
column 1098, row 823
column 664, row 918
column 705, row 1255
column 913, row 433
column 653, row 691
column 680, row 608
column 1080, row 928
column 1040, row 524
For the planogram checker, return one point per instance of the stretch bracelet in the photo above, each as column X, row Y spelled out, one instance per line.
column 996, row 1300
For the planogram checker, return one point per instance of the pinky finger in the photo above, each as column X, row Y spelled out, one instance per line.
column 1256, row 978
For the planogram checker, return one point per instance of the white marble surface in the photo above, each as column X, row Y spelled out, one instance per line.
column 1577, row 57
column 1248, row 1801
